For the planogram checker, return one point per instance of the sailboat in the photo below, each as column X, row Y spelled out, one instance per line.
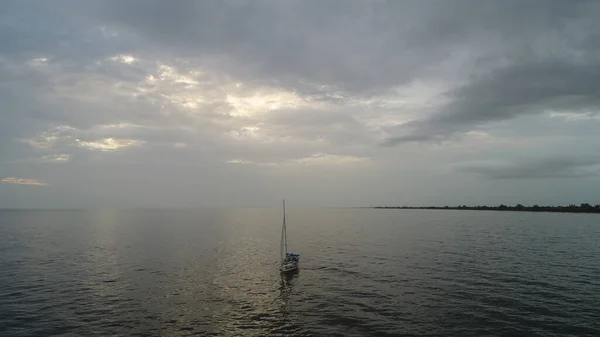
column 289, row 261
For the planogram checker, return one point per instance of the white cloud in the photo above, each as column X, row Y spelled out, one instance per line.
column 330, row 159
column 40, row 61
column 109, row 144
column 49, row 139
column 239, row 161
column 127, row 59
column 58, row 140
column 575, row 116
column 260, row 102
column 318, row 159
column 23, row 181
column 55, row 158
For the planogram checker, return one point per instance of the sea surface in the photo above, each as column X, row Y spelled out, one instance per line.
column 363, row 272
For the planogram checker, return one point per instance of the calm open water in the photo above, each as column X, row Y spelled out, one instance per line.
column 363, row 272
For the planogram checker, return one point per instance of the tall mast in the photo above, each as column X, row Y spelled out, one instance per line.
column 285, row 229
column 283, row 243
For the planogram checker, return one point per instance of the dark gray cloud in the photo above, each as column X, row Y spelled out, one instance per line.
column 548, row 60
column 355, row 45
column 552, row 167
column 531, row 87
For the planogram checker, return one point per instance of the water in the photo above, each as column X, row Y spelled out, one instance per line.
column 363, row 273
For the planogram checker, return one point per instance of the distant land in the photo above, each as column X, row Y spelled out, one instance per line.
column 583, row 208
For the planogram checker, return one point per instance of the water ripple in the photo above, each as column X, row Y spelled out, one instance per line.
column 363, row 273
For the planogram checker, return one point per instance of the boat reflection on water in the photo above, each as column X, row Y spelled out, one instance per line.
column 286, row 286
column 287, row 323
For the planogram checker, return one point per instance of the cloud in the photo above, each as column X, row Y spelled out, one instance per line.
column 59, row 143
column 109, row 144
column 127, row 59
column 317, row 159
column 250, row 162
column 329, row 159
column 137, row 93
column 187, row 105
column 23, row 181
column 509, row 92
column 576, row 116
column 295, row 57
column 552, row 167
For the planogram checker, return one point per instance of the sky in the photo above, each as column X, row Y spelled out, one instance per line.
column 148, row 103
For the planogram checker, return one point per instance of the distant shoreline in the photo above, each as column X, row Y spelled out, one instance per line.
column 583, row 208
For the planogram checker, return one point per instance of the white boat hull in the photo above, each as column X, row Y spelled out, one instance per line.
column 288, row 267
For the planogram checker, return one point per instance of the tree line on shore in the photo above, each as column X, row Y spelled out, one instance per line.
column 583, row 208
